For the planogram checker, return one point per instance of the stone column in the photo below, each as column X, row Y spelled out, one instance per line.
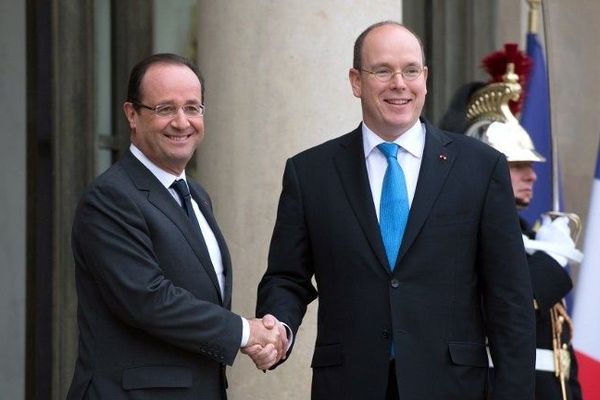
column 276, row 83
column 573, row 54
column 13, row 152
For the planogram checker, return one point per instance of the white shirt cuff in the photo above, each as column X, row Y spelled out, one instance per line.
column 245, row 332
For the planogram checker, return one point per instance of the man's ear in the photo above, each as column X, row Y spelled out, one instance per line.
column 354, row 76
column 130, row 114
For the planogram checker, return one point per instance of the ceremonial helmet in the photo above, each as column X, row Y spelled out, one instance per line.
column 490, row 109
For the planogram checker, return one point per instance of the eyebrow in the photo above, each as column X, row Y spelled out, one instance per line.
column 387, row 65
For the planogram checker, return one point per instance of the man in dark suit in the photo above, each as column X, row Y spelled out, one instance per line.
column 153, row 273
column 412, row 237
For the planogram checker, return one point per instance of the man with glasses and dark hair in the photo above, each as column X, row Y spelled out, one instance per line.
column 412, row 237
column 153, row 273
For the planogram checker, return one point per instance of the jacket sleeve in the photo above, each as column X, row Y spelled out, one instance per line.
column 286, row 288
column 550, row 281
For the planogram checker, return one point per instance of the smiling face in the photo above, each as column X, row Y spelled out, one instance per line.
column 390, row 108
column 522, row 177
column 169, row 142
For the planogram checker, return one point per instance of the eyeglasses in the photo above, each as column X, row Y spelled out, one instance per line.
column 171, row 110
column 409, row 73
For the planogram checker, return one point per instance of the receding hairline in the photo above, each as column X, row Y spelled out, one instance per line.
column 168, row 63
column 359, row 43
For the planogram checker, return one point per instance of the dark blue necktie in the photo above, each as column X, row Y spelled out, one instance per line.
column 182, row 189
column 393, row 206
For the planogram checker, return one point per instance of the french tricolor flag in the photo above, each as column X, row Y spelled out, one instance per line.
column 586, row 317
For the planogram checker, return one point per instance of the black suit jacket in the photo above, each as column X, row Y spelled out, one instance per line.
column 461, row 274
column 152, row 323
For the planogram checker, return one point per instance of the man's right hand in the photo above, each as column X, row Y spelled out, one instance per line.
column 267, row 335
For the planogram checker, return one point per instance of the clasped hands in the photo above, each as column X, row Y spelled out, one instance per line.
column 267, row 344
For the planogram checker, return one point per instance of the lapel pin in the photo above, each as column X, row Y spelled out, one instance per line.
column 443, row 157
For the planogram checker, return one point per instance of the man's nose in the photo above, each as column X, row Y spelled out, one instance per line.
column 397, row 80
column 530, row 174
column 180, row 120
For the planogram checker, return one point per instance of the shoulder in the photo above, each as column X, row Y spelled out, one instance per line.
column 472, row 152
column 468, row 144
column 113, row 188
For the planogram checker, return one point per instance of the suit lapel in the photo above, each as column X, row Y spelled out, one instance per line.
column 160, row 197
column 206, row 209
column 351, row 167
column 435, row 166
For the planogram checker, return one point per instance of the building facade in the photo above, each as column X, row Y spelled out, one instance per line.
column 277, row 83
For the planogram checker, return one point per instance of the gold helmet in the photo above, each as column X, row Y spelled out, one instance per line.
column 493, row 123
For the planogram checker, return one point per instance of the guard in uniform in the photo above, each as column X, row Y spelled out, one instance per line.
column 488, row 118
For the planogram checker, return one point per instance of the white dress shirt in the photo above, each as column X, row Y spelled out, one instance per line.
column 167, row 179
column 410, row 155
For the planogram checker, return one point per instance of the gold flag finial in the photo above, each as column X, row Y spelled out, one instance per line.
column 534, row 15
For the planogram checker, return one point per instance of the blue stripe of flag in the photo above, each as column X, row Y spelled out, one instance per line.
column 535, row 118
column 597, row 174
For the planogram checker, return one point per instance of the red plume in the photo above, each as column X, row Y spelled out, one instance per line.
column 495, row 65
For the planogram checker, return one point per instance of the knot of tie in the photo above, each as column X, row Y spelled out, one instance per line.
column 181, row 188
column 389, row 150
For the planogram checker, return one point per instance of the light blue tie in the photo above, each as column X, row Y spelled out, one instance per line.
column 393, row 206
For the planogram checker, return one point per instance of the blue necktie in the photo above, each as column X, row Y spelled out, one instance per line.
column 393, row 207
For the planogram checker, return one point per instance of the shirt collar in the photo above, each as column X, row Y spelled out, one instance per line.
column 165, row 178
column 412, row 141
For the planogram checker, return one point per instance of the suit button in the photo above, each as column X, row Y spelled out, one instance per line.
column 395, row 283
column 386, row 334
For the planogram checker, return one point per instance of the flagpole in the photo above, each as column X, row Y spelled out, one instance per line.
column 534, row 15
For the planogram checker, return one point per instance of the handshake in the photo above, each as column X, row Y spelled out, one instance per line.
column 268, row 342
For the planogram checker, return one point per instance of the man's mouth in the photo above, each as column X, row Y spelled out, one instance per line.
column 178, row 138
column 397, row 102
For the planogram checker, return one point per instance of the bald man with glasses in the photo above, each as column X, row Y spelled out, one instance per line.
column 412, row 237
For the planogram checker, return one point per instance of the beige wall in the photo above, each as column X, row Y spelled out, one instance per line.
column 573, row 57
column 277, row 83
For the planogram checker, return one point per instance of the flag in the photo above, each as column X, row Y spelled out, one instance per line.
column 535, row 118
column 586, row 317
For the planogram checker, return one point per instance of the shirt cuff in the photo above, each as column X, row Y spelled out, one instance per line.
column 245, row 332
column 290, row 336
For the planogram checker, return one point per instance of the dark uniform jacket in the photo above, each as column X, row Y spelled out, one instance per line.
column 551, row 283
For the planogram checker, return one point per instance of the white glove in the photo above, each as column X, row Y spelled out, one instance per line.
column 554, row 238
column 555, row 231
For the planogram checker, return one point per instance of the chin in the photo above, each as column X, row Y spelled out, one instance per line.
column 522, row 204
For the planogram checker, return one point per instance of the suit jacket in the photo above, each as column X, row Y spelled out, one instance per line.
column 152, row 323
column 461, row 274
